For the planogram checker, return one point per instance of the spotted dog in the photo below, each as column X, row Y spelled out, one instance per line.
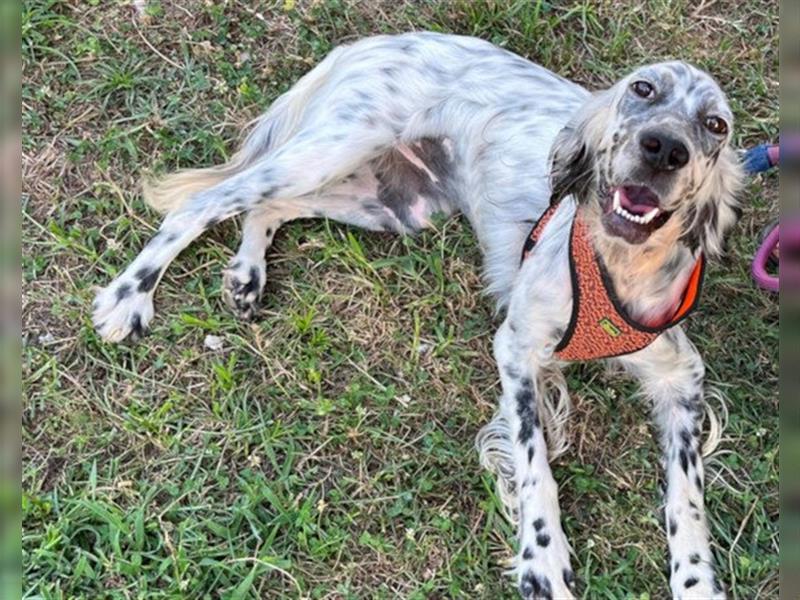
column 390, row 130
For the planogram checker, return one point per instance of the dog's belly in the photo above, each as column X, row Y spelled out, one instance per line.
column 405, row 186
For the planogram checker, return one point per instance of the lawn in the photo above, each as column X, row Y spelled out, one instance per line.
column 326, row 450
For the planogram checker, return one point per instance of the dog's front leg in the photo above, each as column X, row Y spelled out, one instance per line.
column 542, row 567
column 671, row 372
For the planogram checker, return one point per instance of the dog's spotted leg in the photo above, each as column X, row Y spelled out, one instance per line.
column 542, row 565
column 244, row 278
column 397, row 191
column 671, row 372
column 126, row 305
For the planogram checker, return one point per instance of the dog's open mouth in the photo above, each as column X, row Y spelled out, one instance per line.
column 633, row 212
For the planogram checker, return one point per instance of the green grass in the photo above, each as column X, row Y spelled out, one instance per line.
column 326, row 450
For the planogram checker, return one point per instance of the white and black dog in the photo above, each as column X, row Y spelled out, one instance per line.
column 637, row 183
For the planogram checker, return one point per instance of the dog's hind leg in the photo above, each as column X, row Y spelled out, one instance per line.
column 125, row 306
column 398, row 191
column 309, row 161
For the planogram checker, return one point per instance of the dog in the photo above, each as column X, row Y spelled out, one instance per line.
column 595, row 213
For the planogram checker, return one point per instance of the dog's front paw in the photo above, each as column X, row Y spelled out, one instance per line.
column 120, row 310
column 541, row 580
column 242, row 284
column 534, row 585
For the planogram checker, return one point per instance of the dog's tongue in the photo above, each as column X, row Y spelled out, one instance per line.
column 637, row 199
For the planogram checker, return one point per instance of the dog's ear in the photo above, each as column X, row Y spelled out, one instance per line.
column 573, row 153
column 716, row 208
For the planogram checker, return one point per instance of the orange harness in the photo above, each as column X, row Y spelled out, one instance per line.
column 599, row 327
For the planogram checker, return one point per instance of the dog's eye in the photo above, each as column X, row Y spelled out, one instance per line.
column 643, row 89
column 716, row 125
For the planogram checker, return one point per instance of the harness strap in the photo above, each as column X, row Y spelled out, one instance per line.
column 536, row 231
column 599, row 325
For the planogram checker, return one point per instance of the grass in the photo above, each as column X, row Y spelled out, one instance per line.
column 326, row 450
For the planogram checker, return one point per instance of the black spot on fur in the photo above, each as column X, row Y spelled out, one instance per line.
column 543, row 540
column 269, row 192
column 137, row 329
column 676, row 566
column 123, row 291
column 691, row 582
column 673, row 527
column 694, row 558
column 692, row 504
column 691, row 405
column 527, row 554
column 170, row 238
column 535, row 586
column 526, row 413
column 698, row 482
column 530, row 453
column 268, row 232
column 692, row 457
column 538, row 524
column 684, row 461
column 569, row 578
column 686, row 438
column 147, row 276
column 253, row 284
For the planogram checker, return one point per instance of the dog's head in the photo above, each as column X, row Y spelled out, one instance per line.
column 651, row 150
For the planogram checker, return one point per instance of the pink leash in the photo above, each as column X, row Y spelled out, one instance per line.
column 759, row 268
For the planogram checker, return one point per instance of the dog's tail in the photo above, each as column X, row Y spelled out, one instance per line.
column 267, row 132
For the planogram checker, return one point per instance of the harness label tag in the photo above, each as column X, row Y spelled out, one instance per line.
column 609, row 327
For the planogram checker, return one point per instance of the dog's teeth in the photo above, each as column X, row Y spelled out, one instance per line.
column 650, row 216
column 638, row 219
column 625, row 214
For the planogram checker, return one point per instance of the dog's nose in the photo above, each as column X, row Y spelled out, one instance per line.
column 662, row 152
